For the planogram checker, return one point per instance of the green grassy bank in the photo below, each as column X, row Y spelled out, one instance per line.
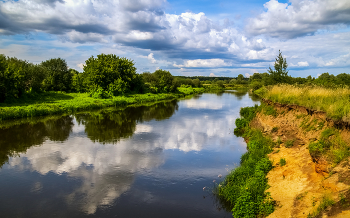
column 51, row 103
column 244, row 188
column 334, row 101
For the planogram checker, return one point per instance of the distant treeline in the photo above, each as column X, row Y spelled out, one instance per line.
column 105, row 76
column 280, row 76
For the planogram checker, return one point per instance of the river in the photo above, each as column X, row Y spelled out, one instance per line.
column 158, row 160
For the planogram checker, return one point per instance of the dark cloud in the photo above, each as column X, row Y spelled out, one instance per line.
column 49, row 2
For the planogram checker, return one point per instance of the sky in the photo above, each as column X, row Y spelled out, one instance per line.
column 187, row 38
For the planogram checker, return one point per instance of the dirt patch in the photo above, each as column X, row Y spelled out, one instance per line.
column 300, row 186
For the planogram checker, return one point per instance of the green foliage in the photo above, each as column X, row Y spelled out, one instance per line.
column 280, row 74
column 161, row 81
column 247, row 114
column 12, row 78
column 50, row 103
column 261, row 91
column 274, row 129
column 78, row 82
column 255, row 85
column 283, row 162
column 289, row 143
column 110, row 76
column 325, row 203
column 331, row 145
column 57, row 76
column 220, row 83
column 269, row 110
column 244, row 188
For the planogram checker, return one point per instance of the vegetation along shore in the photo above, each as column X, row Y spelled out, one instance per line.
column 298, row 143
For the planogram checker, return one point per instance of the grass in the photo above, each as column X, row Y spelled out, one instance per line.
column 330, row 145
column 244, row 188
column 51, row 103
column 333, row 101
column 326, row 202
column 289, row 143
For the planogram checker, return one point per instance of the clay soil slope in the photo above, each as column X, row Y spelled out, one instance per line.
column 300, row 186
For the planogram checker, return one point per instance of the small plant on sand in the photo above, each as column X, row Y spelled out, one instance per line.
column 283, row 162
column 278, row 142
column 274, row 129
column 289, row 143
column 342, row 199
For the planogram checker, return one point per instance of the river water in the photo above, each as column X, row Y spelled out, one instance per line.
column 153, row 161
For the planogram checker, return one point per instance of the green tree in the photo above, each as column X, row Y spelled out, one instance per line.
column 78, row 82
column 111, row 74
column 220, row 83
column 255, row 76
column 196, row 82
column 12, row 77
column 164, row 81
column 57, row 76
column 280, row 74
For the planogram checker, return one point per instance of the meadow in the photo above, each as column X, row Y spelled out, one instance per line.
column 334, row 101
column 51, row 103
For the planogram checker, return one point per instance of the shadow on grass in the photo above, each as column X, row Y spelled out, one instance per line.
column 36, row 98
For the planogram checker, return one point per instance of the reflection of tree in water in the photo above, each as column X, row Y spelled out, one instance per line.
column 110, row 125
column 239, row 93
column 19, row 138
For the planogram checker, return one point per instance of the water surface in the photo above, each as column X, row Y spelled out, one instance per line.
column 144, row 161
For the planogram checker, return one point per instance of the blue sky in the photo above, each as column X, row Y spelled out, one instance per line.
column 191, row 38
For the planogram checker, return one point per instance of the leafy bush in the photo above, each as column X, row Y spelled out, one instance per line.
column 255, row 85
column 283, row 162
column 247, row 114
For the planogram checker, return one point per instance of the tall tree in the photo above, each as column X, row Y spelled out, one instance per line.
column 57, row 76
column 280, row 74
column 109, row 73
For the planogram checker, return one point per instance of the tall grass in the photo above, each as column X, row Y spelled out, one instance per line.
column 334, row 101
column 52, row 103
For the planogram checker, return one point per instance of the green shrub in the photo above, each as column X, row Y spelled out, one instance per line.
column 331, row 145
column 289, row 143
column 282, row 162
column 255, row 85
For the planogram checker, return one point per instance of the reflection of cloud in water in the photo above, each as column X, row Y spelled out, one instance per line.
column 142, row 128
column 107, row 170
column 202, row 104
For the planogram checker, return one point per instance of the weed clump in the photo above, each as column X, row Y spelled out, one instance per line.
column 326, row 202
column 331, row 145
column 289, row 143
column 283, row 162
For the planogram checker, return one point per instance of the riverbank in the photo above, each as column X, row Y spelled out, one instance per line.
column 308, row 149
column 310, row 170
column 53, row 103
column 245, row 187
column 333, row 101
